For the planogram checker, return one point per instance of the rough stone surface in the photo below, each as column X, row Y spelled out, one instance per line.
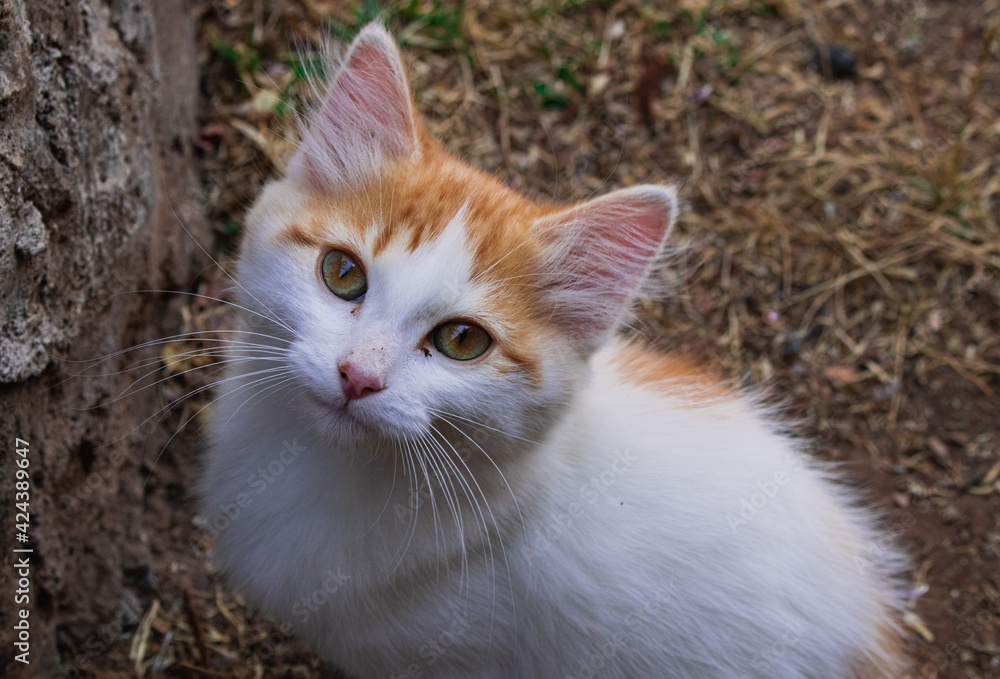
column 97, row 110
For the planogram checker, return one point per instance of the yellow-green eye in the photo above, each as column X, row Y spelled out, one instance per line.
column 344, row 276
column 461, row 341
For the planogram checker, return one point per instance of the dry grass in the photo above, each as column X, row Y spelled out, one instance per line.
column 843, row 242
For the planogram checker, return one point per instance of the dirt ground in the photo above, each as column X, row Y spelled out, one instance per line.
column 841, row 246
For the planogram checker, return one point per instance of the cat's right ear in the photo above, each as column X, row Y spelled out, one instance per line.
column 367, row 117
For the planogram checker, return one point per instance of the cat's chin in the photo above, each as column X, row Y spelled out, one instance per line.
column 345, row 421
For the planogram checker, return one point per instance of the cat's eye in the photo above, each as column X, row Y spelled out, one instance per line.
column 344, row 276
column 460, row 340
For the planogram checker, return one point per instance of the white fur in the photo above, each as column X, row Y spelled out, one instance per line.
column 466, row 523
column 530, row 588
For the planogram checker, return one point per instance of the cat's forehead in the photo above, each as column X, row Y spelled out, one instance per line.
column 440, row 216
column 434, row 278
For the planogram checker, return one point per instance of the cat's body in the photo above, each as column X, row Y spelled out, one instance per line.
column 563, row 503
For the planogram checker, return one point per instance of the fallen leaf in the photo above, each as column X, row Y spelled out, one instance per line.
column 647, row 90
column 840, row 374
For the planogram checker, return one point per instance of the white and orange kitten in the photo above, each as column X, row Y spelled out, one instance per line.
column 435, row 456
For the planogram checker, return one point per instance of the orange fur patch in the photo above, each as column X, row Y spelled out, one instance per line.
column 670, row 373
column 886, row 657
column 889, row 659
column 294, row 234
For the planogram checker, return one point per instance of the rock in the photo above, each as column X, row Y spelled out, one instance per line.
column 843, row 63
column 98, row 105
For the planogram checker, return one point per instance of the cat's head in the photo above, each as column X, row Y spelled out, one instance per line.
column 417, row 288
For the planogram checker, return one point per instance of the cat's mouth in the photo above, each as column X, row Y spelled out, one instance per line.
column 362, row 417
column 328, row 403
column 340, row 409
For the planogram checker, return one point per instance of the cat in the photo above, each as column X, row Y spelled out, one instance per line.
column 434, row 454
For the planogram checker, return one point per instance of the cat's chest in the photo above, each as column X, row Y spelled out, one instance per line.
column 294, row 510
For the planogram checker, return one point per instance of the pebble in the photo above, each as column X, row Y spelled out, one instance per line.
column 843, row 62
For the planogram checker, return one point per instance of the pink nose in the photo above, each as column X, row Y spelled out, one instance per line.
column 357, row 383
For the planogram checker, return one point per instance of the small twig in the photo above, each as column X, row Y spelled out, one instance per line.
column 503, row 101
column 141, row 640
column 951, row 172
column 195, row 628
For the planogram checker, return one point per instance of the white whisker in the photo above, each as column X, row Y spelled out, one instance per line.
column 235, row 391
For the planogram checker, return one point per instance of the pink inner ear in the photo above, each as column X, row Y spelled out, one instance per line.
column 367, row 115
column 599, row 254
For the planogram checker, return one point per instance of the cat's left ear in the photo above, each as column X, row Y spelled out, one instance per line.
column 598, row 254
column 367, row 117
